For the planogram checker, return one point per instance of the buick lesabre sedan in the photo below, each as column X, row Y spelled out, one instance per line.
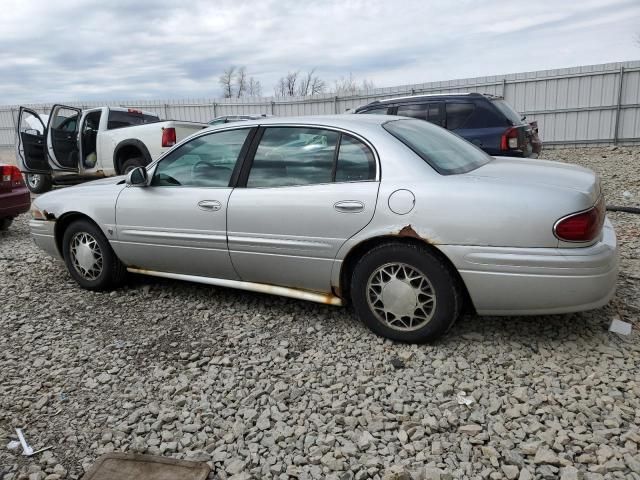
column 400, row 218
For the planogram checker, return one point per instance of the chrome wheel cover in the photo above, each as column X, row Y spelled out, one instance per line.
column 401, row 297
column 33, row 179
column 86, row 255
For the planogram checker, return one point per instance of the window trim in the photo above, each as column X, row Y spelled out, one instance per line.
column 151, row 169
column 248, row 160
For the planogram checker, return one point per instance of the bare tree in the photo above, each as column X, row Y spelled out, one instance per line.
column 254, row 89
column 350, row 86
column 241, row 81
column 226, row 81
column 290, row 83
column 346, row 85
column 367, row 85
column 311, row 84
column 280, row 89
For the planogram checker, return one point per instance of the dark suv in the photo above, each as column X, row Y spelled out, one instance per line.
column 485, row 120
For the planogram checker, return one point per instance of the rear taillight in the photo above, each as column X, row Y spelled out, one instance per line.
column 168, row 137
column 583, row 226
column 509, row 139
column 11, row 174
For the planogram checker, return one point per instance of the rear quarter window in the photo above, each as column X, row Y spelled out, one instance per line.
column 485, row 115
column 458, row 114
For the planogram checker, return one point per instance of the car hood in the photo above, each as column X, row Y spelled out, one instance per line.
column 103, row 181
column 516, row 171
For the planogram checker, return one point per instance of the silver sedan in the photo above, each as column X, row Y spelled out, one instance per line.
column 401, row 219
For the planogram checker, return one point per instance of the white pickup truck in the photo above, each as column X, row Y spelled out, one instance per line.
column 72, row 145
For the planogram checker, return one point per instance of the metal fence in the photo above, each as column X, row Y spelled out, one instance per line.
column 593, row 104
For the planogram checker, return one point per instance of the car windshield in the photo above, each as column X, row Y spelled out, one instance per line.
column 508, row 111
column 446, row 152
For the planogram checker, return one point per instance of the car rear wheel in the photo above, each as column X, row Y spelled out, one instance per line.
column 39, row 182
column 89, row 257
column 405, row 292
column 5, row 223
column 132, row 163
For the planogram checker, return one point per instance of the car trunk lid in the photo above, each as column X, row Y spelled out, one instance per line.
column 542, row 172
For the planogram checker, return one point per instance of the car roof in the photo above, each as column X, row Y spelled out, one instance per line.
column 427, row 96
column 346, row 121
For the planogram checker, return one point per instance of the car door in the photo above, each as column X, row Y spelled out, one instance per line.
column 63, row 142
column 302, row 193
column 30, row 142
column 177, row 223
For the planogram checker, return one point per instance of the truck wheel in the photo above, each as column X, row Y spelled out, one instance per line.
column 132, row 163
column 5, row 223
column 38, row 182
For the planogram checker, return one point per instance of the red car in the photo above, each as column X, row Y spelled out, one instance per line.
column 14, row 195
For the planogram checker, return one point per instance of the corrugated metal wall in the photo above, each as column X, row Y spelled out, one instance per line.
column 594, row 104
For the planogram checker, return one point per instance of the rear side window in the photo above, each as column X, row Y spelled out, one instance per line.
column 376, row 111
column 457, row 114
column 293, row 156
column 290, row 156
column 431, row 112
column 446, row 152
column 120, row 119
column 485, row 116
column 416, row 110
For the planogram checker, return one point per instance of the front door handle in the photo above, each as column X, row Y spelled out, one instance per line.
column 209, row 205
column 349, row 206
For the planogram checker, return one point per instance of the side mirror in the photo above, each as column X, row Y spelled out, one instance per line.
column 137, row 177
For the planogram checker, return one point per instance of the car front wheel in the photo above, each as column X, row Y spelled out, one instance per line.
column 89, row 257
column 405, row 292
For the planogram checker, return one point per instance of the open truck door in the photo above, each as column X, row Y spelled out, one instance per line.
column 31, row 153
column 62, row 138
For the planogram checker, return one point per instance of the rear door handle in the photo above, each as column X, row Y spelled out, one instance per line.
column 349, row 206
column 209, row 205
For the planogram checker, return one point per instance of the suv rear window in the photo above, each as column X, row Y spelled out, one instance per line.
column 120, row 119
column 446, row 152
column 508, row 111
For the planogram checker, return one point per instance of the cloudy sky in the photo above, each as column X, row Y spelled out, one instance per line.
column 121, row 49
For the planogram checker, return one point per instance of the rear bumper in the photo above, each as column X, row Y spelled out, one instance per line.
column 15, row 202
column 42, row 232
column 532, row 281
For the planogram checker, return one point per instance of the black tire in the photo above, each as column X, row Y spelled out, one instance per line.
column 5, row 223
column 39, row 182
column 131, row 163
column 441, row 283
column 112, row 271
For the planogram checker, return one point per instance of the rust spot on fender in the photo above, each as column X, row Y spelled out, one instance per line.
column 408, row 231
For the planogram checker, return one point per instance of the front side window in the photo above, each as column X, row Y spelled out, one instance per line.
column 206, row 161
column 293, row 156
column 446, row 152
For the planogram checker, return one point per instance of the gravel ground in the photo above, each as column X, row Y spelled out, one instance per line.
column 267, row 387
